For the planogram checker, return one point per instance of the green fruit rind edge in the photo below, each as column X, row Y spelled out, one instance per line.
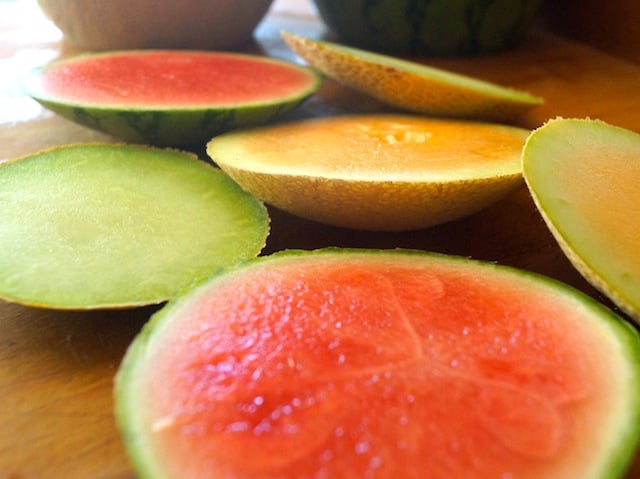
column 618, row 458
column 581, row 263
column 171, row 126
column 440, row 75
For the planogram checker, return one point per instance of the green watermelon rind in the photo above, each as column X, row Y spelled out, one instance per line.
column 618, row 458
column 436, row 27
column 172, row 125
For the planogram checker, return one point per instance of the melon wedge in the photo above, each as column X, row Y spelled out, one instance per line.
column 411, row 85
column 105, row 226
column 375, row 172
column 170, row 98
column 388, row 364
column 583, row 175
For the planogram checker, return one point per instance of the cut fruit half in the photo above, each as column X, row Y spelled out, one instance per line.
column 102, row 226
column 584, row 175
column 375, row 172
column 411, row 85
column 170, row 98
column 387, row 364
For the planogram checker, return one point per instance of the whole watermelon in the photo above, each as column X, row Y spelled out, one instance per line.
column 429, row 27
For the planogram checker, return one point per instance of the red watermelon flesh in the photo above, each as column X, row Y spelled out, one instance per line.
column 172, row 78
column 170, row 97
column 380, row 365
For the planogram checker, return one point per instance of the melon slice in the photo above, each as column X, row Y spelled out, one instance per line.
column 170, row 98
column 388, row 364
column 411, row 85
column 584, row 175
column 375, row 172
column 101, row 226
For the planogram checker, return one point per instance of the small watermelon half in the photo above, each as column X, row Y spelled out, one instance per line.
column 170, row 97
column 383, row 364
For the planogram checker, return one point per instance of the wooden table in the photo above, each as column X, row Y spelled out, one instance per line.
column 56, row 368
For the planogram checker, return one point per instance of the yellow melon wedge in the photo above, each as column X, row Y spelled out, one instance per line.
column 375, row 172
column 584, row 176
column 410, row 85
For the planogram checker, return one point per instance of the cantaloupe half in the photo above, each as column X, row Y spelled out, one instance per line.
column 105, row 226
column 375, row 172
column 357, row 364
column 170, row 97
column 584, row 176
column 411, row 85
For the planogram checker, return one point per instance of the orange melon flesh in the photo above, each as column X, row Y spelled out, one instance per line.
column 411, row 85
column 584, row 177
column 375, row 172
column 386, row 364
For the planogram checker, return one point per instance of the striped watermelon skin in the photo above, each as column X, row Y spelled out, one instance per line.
column 170, row 97
column 178, row 128
column 430, row 27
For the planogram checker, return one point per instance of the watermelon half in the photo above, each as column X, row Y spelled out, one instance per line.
column 380, row 364
column 170, row 97
column 101, row 226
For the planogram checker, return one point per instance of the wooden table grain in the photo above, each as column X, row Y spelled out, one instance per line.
column 57, row 368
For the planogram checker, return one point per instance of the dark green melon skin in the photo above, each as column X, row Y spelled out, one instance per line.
column 174, row 127
column 430, row 27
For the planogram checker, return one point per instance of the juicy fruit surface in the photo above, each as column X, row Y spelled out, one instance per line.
column 584, row 176
column 170, row 78
column 170, row 98
column 380, row 364
column 411, row 85
column 115, row 225
column 380, row 172
column 377, row 146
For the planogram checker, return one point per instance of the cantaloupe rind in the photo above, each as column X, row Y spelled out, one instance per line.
column 413, row 86
column 375, row 172
column 583, row 175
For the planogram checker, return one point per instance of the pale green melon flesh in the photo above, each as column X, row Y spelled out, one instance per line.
column 584, row 177
column 386, row 364
column 111, row 225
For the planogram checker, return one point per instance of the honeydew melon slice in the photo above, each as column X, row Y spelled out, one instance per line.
column 411, row 85
column 583, row 175
column 105, row 226
column 375, row 172
column 388, row 364
column 170, row 97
